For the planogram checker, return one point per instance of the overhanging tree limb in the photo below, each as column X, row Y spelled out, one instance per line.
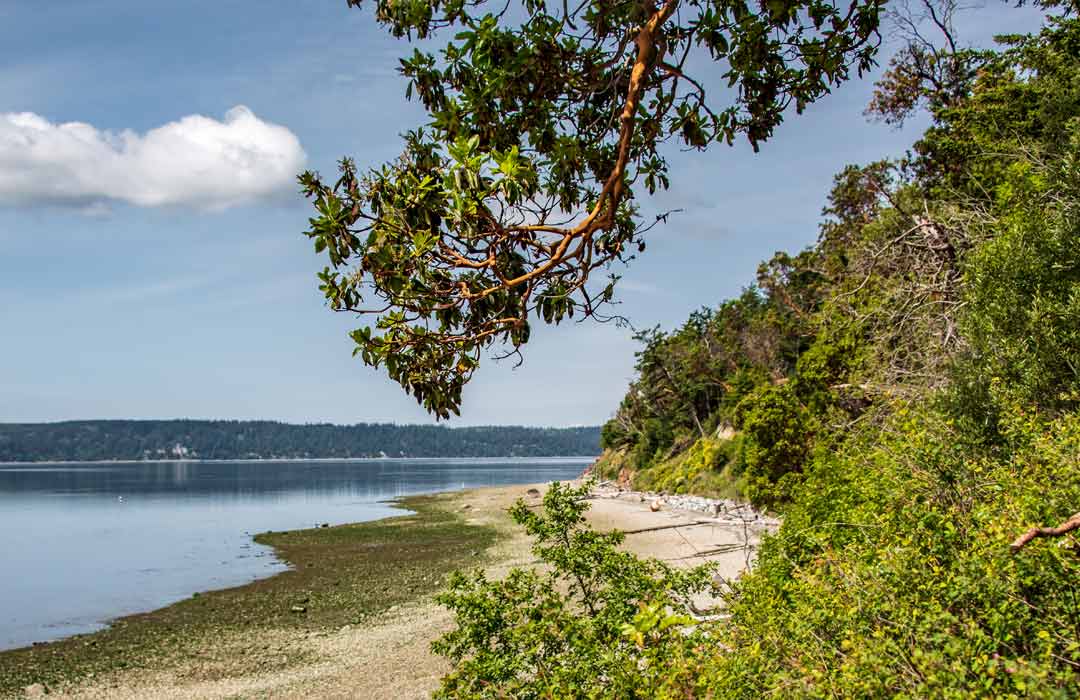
column 545, row 127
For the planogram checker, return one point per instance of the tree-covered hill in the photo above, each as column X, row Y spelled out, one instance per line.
column 200, row 439
column 905, row 392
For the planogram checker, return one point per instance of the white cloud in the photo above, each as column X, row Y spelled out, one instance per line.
column 195, row 162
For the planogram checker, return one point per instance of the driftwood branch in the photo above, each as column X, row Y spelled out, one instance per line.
column 670, row 527
column 1069, row 525
column 726, row 549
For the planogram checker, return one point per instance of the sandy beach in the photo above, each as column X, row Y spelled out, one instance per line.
column 388, row 655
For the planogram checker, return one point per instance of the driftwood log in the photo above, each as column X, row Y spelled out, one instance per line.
column 671, row 527
column 1069, row 525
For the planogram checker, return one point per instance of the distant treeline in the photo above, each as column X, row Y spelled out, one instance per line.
column 202, row 439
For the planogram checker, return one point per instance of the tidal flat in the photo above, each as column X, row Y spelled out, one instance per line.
column 355, row 617
column 339, row 576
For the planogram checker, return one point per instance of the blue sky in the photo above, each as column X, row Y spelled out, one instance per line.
column 142, row 291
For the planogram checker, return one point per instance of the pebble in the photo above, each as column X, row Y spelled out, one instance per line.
column 722, row 508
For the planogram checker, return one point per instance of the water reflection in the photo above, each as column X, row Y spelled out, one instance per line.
column 195, row 479
column 87, row 542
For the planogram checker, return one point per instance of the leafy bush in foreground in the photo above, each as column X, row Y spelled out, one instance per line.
column 597, row 622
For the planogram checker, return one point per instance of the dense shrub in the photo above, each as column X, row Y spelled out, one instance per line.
column 776, row 440
column 892, row 575
column 706, row 469
column 1024, row 314
column 598, row 622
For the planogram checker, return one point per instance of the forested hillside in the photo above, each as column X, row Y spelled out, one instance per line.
column 199, row 439
column 905, row 393
column 946, row 280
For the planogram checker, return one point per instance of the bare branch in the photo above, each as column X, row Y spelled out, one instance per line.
column 1066, row 527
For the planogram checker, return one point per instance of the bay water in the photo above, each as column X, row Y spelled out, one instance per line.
column 84, row 543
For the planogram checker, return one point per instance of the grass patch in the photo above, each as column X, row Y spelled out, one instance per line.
column 340, row 575
column 704, row 469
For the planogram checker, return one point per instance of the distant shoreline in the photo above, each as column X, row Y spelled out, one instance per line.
column 198, row 440
column 252, row 460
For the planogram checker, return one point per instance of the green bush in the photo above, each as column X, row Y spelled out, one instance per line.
column 892, row 575
column 657, row 437
column 597, row 622
column 613, row 436
column 701, row 469
column 776, row 440
column 1023, row 318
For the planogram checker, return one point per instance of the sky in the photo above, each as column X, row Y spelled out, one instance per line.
column 152, row 262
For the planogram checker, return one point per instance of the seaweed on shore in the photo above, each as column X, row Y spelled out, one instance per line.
column 339, row 576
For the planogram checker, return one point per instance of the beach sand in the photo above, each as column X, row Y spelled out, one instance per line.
column 388, row 655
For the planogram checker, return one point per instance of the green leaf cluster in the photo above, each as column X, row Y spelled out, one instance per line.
column 596, row 621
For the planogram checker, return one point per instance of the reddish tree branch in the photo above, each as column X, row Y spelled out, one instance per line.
column 1069, row 525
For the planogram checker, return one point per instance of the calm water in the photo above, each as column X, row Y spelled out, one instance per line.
column 85, row 543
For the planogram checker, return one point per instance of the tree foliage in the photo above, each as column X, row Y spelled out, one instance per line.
column 955, row 266
column 926, row 415
column 932, row 70
column 547, row 123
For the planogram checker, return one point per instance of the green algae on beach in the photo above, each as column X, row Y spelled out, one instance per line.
column 339, row 576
